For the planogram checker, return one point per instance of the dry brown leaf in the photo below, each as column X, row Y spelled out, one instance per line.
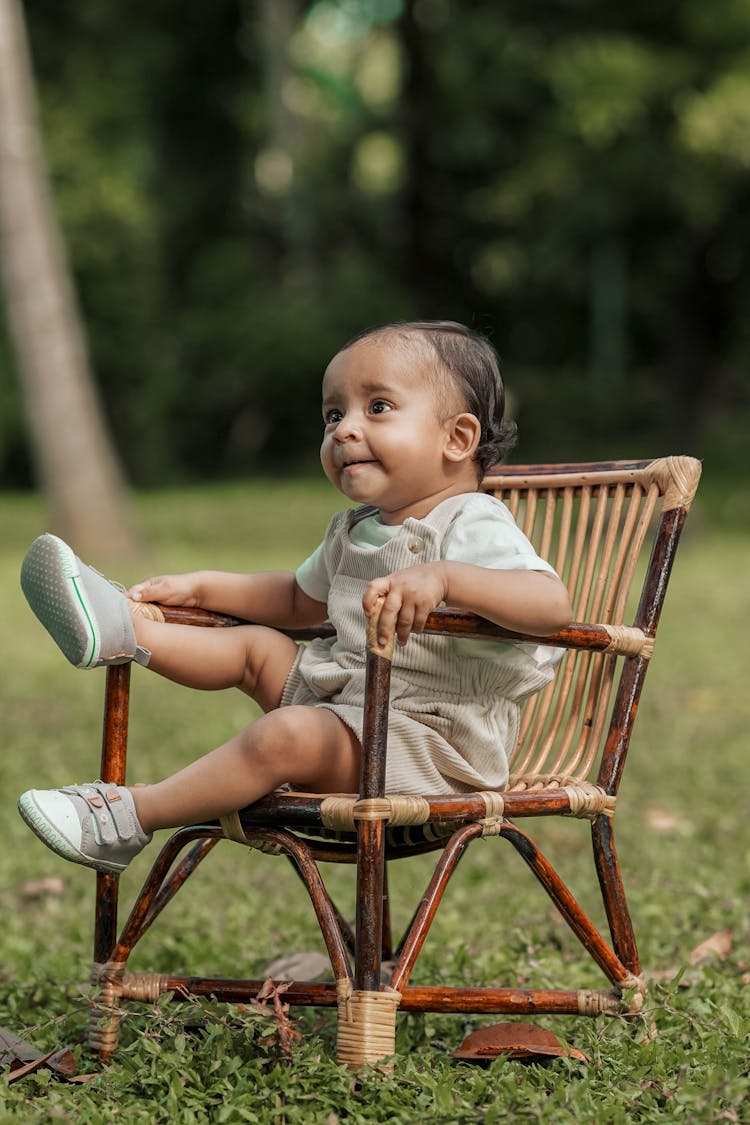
column 718, row 945
column 287, row 1034
column 663, row 820
column 22, row 1058
column 20, row 1070
column 49, row 886
column 13, row 1049
column 522, row 1041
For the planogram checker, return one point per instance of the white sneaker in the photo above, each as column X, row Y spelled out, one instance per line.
column 95, row 824
column 85, row 614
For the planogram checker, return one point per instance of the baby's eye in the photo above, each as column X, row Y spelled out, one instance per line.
column 332, row 416
column 379, row 406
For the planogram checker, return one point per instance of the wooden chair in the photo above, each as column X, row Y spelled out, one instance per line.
column 595, row 523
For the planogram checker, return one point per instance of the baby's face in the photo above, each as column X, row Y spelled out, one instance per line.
column 384, row 440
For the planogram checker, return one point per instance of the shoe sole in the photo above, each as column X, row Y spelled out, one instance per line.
column 51, row 581
column 60, row 845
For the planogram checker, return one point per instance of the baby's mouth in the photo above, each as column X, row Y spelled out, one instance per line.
column 363, row 461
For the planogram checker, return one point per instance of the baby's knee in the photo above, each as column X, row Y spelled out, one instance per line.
column 278, row 737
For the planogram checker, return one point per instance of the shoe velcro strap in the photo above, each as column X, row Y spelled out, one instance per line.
column 111, row 808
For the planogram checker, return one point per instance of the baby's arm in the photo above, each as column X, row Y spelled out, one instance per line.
column 527, row 601
column 266, row 598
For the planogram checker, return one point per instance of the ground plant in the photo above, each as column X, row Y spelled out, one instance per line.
column 682, row 839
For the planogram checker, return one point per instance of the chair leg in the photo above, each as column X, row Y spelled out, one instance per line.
column 114, row 753
column 581, row 925
column 346, row 930
column 160, row 886
column 103, row 1026
column 105, row 1015
column 177, row 878
column 366, row 1010
column 104, row 1021
column 347, row 933
column 613, row 894
column 416, row 933
column 386, row 951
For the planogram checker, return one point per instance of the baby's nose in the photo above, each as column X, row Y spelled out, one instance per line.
column 347, row 428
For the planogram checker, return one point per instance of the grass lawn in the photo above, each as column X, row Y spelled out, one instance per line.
column 682, row 838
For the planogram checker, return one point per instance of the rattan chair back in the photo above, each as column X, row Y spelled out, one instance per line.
column 597, row 525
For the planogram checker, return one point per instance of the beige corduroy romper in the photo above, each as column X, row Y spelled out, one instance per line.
column 453, row 718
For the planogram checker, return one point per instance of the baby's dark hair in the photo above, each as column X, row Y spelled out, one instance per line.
column 473, row 364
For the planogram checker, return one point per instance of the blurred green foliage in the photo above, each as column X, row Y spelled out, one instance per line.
column 243, row 184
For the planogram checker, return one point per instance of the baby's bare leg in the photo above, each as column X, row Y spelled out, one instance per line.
column 255, row 658
column 310, row 747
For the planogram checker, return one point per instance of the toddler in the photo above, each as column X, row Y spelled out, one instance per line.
column 413, row 415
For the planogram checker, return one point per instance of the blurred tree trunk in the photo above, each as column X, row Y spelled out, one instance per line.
column 75, row 461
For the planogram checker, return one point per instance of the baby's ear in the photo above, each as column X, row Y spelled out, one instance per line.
column 463, row 434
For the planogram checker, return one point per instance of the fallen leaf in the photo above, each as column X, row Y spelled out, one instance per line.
column 286, row 1032
column 517, row 1041
column 718, row 945
column 663, row 820
column 20, row 1070
column 50, row 886
column 13, row 1048
column 22, row 1058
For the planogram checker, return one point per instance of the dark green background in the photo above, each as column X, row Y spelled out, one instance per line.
column 239, row 194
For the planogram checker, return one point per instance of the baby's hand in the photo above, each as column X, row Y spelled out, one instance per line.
column 408, row 597
column 168, row 589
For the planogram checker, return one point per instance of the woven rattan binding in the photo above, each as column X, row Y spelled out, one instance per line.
column 366, row 1025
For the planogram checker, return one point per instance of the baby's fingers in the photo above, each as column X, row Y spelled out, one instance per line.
column 375, row 592
column 394, row 618
column 151, row 590
column 405, row 623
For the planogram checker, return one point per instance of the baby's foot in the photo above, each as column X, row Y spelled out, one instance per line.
column 84, row 613
column 94, row 824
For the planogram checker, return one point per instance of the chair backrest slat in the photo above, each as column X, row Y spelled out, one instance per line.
column 645, row 519
column 626, row 550
column 530, row 512
column 550, row 506
column 594, row 523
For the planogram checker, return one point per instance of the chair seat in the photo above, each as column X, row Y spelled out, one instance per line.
column 422, row 823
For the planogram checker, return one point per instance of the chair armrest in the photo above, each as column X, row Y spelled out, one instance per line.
column 182, row 615
column 624, row 640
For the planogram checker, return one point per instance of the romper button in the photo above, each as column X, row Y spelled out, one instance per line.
column 416, row 546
